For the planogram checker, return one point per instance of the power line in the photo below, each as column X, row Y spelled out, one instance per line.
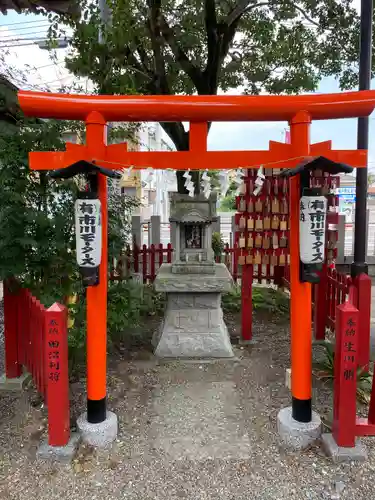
column 16, row 45
column 7, row 39
column 27, row 28
column 46, row 66
column 29, row 41
column 22, row 39
column 24, row 22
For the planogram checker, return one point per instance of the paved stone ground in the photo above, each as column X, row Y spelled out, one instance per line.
column 187, row 431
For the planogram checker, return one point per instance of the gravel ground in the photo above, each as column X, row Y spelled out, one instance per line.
column 186, row 431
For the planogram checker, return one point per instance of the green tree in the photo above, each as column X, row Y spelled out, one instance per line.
column 37, row 237
column 202, row 47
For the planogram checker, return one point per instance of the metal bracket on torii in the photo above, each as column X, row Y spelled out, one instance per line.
column 90, row 172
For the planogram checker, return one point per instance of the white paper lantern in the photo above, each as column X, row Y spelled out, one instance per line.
column 312, row 229
column 88, row 232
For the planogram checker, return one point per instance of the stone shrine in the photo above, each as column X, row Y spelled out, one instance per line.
column 193, row 325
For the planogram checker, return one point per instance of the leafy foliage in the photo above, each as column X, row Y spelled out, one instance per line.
column 36, row 215
column 129, row 305
column 217, row 244
column 203, row 47
column 228, row 204
column 37, row 237
column 264, row 300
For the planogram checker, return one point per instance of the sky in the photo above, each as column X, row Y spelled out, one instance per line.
column 40, row 69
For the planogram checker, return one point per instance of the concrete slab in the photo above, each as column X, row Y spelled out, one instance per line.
column 199, row 421
column 166, row 281
column 61, row 454
column 14, row 384
column 340, row 454
column 298, row 435
column 98, row 435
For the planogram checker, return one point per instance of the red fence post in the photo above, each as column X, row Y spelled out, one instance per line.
column 169, row 253
column 152, row 263
column 363, row 285
column 21, row 322
column 144, row 253
column 56, row 348
column 247, row 305
column 235, row 263
column 345, row 383
column 13, row 367
column 161, row 254
column 136, row 258
column 320, row 305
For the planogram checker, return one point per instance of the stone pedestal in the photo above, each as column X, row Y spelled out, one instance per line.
column 193, row 325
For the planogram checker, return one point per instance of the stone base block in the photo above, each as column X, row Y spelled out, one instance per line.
column 62, row 454
column 193, row 325
column 342, row 454
column 166, row 281
column 14, row 384
column 193, row 268
column 98, row 435
column 193, row 333
column 298, row 435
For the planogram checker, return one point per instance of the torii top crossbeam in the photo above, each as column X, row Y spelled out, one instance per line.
column 197, row 108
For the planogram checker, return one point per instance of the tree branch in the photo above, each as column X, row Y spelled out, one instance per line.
column 194, row 73
column 156, row 42
column 211, row 72
column 142, row 55
column 211, row 25
column 178, row 134
column 240, row 9
column 244, row 6
column 135, row 64
column 306, row 16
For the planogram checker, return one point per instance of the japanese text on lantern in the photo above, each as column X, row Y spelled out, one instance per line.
column 312, row 225
column 350, row 351
column 88, row 232
column 53, row 351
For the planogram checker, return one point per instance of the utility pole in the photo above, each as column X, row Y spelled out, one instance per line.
column 365, row 59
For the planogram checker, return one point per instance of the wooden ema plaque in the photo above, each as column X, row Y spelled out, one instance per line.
column 262, row 222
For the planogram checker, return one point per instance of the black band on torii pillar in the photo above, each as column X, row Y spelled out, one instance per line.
column 96, row 410
column 301, row 410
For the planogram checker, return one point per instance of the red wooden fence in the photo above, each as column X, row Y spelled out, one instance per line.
column 36, row 339
column 147, row 261
column 332, row 290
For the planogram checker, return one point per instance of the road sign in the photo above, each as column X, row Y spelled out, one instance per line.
column 346, row 194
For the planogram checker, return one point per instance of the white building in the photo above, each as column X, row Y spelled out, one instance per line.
column 156, row 184
column 153, row 187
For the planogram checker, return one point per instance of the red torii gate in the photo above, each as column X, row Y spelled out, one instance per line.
column 299, row 111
